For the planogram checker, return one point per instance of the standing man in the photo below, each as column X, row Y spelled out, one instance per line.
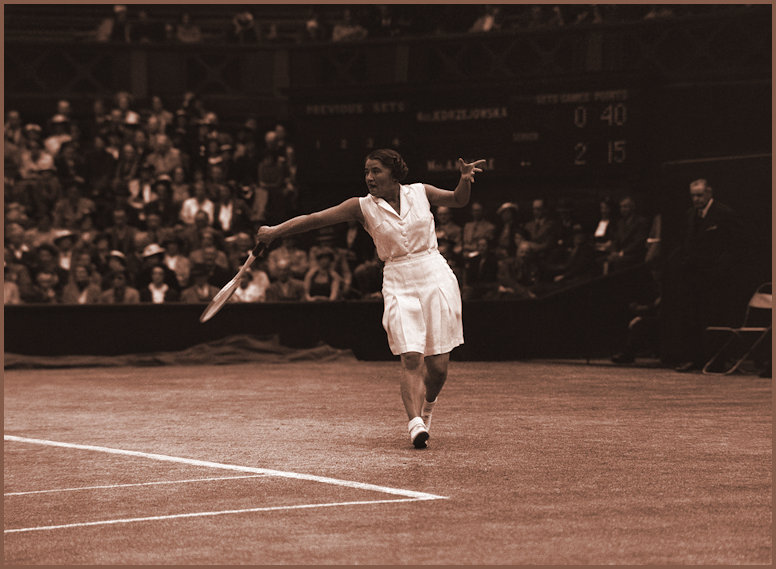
column 709, row 270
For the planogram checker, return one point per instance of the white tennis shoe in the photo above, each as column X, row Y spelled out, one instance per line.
column 418, row 432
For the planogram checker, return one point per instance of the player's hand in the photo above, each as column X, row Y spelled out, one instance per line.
column 265, row 234
column 469, row 169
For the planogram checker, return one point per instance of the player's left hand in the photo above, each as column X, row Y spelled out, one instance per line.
column 468, row 170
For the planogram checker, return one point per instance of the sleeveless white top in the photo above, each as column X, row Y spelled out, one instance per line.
column 399, row 236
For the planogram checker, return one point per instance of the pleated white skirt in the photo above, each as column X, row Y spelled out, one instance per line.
column 422, row 305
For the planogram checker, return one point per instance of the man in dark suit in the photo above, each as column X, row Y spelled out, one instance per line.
column 712, row 247
column 630, row 237
column 480, row 272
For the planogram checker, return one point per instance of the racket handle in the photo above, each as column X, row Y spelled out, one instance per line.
column 258, row 249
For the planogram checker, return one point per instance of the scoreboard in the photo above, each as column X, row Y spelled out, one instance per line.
column 587, row 133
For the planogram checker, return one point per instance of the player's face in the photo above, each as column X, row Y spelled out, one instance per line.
column 378, row 178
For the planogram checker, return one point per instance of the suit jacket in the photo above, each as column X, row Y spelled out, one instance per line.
column 545, row 234
column 630, row 237
column 131, row 296
column 241, row 217
column 71, row 293
column 193, row 296
column 713, row 244
column 479, row 271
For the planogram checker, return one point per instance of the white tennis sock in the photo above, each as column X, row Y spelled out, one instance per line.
column 425, row 414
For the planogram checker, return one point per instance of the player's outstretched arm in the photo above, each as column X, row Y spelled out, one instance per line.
column 346, row 211
column 460, row 196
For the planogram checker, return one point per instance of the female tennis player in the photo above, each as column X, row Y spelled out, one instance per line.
column 422, row 301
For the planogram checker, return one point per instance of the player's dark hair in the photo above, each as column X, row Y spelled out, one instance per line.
column 392, row 160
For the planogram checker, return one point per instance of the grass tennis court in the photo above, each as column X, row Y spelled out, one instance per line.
column 310, row 463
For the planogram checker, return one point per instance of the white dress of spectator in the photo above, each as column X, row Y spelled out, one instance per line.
column 199, row 202
column 253, row 287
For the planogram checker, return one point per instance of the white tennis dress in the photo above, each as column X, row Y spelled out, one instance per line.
column 422, row 300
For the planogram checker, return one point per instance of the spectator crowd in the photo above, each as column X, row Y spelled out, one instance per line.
column 141, row 203
column 289, row 24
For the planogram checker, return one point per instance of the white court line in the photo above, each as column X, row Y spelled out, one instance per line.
column 202, row 514
column 253, row 470
column 112, row 486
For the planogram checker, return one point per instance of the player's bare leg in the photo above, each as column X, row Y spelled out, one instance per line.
column 412, row 393
column 434, row 377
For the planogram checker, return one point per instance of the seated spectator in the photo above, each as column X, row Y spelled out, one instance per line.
column 127, row 172
column 70, row 163
column 46, row 191
column 208, row 243
column 120, row 292
column 81, row 289
column 20, row 274
column 243, row 30
column 47, row 259
column 480, row 272
column 200, row 290
column 71, row 209
column 476, row 228
column 186, row 31
column 181, row 189
column 347, row 29
column 34, row 159
column 121, row 235
column 604, row 231
column 330, row 239
column 192, row 236
column 145, row 30
column 176, row 261
column 64, row 241
column 157, row 291
column 100, row 167
column 252, row 288
column 285, row 288
column 580, row 263
column 446, row 228
column 117, row 262
column 630, row 237
column 16, row 245
column 518, row 276
column 322, row 282
column 161, row 203
column 313, row 29
column 275, row 180
column 505, row 230
column 115, row 28
column 164, row 158
column 567, row 221
column 231, row 214
column 141, row 194
column 47, row 288
column 11, row 293
column 542, row 231
column 291, row 255
column 42, row 232
column 198, row 203
column 489, row 21
column 155, row 231
column 153, row 259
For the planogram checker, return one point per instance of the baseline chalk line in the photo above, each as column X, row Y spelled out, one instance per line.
column 113, row 486
column 204, row 514
column 234, row 467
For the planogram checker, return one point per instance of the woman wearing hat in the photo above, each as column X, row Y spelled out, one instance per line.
column 322, row 282
column 422, row 301
column 506, row 228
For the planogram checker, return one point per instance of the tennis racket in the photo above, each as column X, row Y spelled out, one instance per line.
column 228, row 289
